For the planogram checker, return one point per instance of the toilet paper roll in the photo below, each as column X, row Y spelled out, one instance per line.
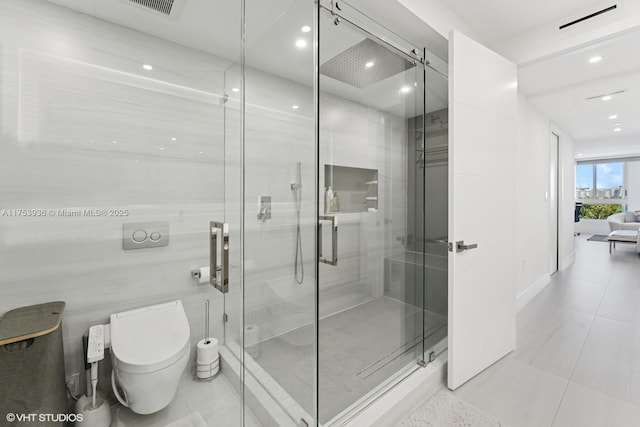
column 204, row 275
column 207, row 351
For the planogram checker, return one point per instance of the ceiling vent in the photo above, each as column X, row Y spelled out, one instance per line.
column 589, row 16
column 162, row 6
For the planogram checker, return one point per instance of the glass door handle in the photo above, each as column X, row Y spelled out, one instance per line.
column 334, row 239
column 219, row 277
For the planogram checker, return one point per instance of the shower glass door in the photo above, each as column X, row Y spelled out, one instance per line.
column 277, row 345
column 370, row 286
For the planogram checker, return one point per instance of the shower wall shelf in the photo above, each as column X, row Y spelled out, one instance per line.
column 357, row 188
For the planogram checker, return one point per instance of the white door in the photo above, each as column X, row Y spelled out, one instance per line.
column 482, row 197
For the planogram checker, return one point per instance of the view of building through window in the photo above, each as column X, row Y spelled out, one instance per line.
column 600, row 181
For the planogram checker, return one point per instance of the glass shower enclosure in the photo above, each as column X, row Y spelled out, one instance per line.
column 292, row 147
column 343, row 277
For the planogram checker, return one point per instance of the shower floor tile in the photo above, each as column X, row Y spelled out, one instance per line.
column 360, row 348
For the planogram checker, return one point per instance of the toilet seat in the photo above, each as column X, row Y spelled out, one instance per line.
column 149, row 339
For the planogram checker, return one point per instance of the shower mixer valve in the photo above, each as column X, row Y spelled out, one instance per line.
column 264, row 208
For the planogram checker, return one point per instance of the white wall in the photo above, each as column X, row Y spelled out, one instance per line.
column 607, row 148
column 532, row 208
column 533, row 240
column 567, row 197
column 70, row 86
column 438, row 16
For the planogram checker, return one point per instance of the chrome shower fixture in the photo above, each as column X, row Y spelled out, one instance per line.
column 296, row 186
column 297, row 183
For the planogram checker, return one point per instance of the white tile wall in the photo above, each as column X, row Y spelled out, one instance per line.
column 71, row 85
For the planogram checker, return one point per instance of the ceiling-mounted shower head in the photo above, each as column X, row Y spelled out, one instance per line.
column 364, row 64
column 167, row 8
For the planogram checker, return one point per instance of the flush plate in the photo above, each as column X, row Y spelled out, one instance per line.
column 142, row 235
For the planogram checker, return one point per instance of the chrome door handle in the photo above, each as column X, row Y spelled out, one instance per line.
column 219, row 276
column 460, row 246
column 334, row 239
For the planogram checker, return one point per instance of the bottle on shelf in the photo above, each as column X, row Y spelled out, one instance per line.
column 335, row 205
column 328, row 200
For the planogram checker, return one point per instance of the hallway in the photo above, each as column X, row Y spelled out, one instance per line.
column 577, row 361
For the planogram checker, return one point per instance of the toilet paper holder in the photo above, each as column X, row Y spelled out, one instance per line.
column 197, row 273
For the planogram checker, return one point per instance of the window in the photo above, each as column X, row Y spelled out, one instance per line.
column 584, row 181
column 600, row 186
column 600, row 181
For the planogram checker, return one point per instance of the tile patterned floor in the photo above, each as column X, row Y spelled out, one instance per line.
column 359, row 349
column 216, row 401
column 577, row 361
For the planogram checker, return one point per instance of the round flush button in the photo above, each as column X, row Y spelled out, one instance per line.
column 139, row 236
column 155, row 236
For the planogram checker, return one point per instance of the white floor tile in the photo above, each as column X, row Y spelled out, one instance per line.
column 609, row 362
column 573, row 294
column 621, row 303
column 583, row 407
column 550, row 338
column 515, row 393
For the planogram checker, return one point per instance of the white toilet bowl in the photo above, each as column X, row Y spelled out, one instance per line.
column 149, row 350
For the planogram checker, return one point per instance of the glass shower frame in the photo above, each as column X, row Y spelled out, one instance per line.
column 406, row 355
column 253, row 246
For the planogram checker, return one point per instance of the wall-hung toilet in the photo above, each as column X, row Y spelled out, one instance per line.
column 150, row 349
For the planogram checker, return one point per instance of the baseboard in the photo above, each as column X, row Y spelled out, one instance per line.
column 566, row 262
column 534, row 289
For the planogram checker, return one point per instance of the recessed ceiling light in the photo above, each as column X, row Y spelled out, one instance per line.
column 607, row 98
column 305, row 29
column 295, row 107
column 160, row 148
column 617, row 129
column 595, row 59
column 368, row 64
column 405, row 89
column 114, row 141
column 301, row 43
column 199, row 152
column 235, row 89
column 618, row 124
column 613, row 117
column 579, row 154
column 173, row 138
column 147, row 67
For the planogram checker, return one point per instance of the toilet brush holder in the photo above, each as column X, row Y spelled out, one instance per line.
column 90, row 416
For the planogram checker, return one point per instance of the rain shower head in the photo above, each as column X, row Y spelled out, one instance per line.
column 364, row 64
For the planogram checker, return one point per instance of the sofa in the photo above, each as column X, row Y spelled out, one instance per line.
column 629, row 220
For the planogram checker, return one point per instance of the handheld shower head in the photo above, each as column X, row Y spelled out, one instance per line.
column 297, row 183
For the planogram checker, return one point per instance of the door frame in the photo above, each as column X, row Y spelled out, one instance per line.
column 554, row 203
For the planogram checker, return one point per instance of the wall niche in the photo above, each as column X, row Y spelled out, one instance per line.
column 354, row 189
